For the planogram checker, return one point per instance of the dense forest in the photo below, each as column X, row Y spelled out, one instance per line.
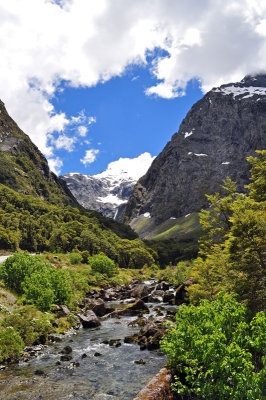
column 28, row 223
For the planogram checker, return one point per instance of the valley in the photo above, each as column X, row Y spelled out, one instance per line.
column 89, row 315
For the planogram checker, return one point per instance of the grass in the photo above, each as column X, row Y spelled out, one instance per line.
column 180, row 228
column 141, row 224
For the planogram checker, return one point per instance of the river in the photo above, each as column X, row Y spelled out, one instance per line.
column 97, row 371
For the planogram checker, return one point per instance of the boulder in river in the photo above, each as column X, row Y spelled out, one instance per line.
column 66, row 350
column 181, row 292
column 139, row 291
column 158, row 388
column 89, row 319
column 98, row 307
column 168, row 297
column 65, row 357
column 135, row 309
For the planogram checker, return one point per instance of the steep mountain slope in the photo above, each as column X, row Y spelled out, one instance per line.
column 24, row 168
column 109, row 191
column 218, row 133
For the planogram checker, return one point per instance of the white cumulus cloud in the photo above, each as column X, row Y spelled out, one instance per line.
column 133, row 168
column 82, row 130
column 90, row 157
column 84, row 42
column 55, row 165
column 64, row 142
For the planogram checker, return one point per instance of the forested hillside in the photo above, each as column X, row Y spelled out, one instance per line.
column 24, row 168
column 28, row 223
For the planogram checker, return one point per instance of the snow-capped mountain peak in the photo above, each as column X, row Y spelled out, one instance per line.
column 108, row 191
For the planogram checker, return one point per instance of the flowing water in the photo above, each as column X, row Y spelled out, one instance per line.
column 105, row 373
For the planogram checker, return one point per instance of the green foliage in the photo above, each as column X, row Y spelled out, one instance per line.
column 258, row 176
column 30, row 224
column 172, row 251
column 140, row 257
column 176, row 274
column 4, row 309
column 215, row 352
column 60, row 282
column 38, row 290
column 11, row 344
column 15, row 269
column 29, row 323
column 40, row 283
column 102, row 264
column 233, row 247
column 75, row 258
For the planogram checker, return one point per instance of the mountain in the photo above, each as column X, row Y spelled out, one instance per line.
column 39, row 213
column 109, row 191
column 219, row 132
column 24, row 168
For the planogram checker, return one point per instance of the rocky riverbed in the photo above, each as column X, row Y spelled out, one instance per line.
column 111, row 354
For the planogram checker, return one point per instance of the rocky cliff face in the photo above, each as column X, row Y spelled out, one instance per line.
column 218, row 133
column 109, row 191
column 24, row 168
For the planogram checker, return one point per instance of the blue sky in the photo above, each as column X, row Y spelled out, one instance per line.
column 101, row 80
column 128, row 122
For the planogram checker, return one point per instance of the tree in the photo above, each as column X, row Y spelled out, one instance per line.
column 215, row 353
column 102, row 264
column 233, row 247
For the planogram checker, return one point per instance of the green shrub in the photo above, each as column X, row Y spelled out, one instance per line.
column 75, row 258
column 4, row 309
column 38, row 290
column 40, row 284
column 176, row 274
column 15, row 268
column 29, row 324
column 79, row 283
column 215, row 352
column 60, row 282
column 140, row 257
column 102, row 264
column 85, row 255
column 11, row 344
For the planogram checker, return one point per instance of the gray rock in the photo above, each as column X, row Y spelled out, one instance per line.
column 103, row 396
column 89, row 319
column 168, row 297
column 139, row 291
column 67, row 350
column 98, row 307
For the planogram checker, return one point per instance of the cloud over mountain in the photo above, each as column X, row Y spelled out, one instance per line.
column 85, row 42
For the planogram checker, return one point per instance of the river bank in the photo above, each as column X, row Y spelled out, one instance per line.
column 111, row 361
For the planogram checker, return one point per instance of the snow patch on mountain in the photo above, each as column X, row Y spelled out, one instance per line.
column 244, row 92
column 109, row 191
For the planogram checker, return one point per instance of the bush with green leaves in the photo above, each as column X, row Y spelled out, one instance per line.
column 40, row 283
column 176, row 274
column 60, row 281
column 38, row 290
column 75, row 258
column 11, row 344
column 15, row 269
column 29, row 323
column 102, row 264
column 215, row 352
